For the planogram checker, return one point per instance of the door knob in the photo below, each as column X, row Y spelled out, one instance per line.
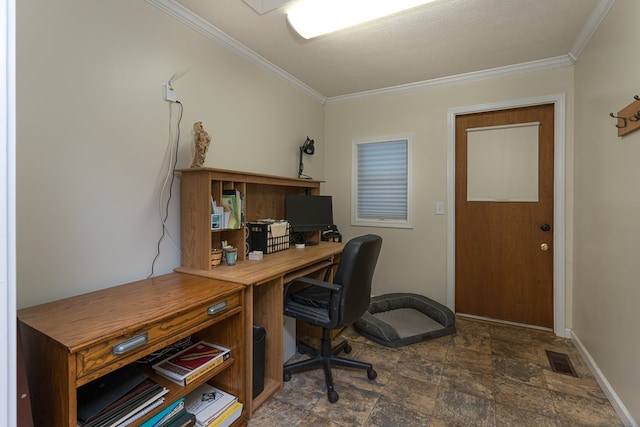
column 545, row 227
column 544, row 247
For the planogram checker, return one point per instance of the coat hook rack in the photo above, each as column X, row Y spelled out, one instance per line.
column 624, row 121
column 628, row 118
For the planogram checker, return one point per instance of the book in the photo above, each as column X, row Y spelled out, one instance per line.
column 192, row 362
column 139, row 412
column 139, row 402
column 196, row 374
column 207, row 403
column 165, row 415
column 217, row 215
column 96, row 396
column 232, row 201
column 228, row 417
column 182, row 419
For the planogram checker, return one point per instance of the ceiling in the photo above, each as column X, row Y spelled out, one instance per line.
column 442, row 41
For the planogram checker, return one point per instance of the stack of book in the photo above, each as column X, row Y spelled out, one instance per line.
column 233, row 202
column 174, row 415
column 212, row 406
column 192, row 363
column 118, row 398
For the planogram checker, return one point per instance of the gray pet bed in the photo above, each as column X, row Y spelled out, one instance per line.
column 400, row 319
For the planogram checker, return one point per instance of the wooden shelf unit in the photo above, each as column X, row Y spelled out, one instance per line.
column 264, row 198
column 264, row 279
column 69, row 343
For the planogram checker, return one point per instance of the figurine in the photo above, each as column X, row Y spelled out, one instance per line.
column 202, row 140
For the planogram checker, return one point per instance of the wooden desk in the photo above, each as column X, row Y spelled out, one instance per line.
column 264, row 280
column 70, row 342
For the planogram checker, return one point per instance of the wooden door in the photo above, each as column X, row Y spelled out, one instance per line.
column 504, row 245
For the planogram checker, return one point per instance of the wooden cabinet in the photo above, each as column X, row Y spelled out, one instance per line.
column 264, row 197
column 71, row 342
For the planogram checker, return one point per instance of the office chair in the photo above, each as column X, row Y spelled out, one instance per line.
column 334, row 305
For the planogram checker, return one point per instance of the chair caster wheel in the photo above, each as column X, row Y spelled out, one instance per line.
column 333, row 397
column 372, row 374
column 286, row 376
column 347, row 349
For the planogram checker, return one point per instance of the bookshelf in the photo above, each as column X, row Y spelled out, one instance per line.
column 70, row 342
column 264, row 198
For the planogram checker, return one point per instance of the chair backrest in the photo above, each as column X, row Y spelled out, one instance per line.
column 355, row 273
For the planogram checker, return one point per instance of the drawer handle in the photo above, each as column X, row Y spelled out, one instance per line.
column 130, row 344
column 217, row 307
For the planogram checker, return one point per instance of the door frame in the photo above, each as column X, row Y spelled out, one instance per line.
column 559, row 306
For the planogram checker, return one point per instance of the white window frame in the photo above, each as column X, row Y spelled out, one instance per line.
column 356, row 220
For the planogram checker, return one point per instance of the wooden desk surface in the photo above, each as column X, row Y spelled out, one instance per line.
column 91, row 317
column 271, row 266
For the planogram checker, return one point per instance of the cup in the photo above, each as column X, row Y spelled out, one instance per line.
column 230, row 256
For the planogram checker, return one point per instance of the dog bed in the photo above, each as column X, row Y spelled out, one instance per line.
column 400, row 319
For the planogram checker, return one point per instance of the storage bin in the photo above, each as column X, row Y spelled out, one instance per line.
column 269, row 237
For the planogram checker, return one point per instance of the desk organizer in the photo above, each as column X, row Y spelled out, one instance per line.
column 268, row 236
column 216, row 257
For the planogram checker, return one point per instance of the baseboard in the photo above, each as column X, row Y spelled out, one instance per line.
column 617, row 404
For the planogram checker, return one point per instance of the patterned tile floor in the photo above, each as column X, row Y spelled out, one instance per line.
column 484, row 375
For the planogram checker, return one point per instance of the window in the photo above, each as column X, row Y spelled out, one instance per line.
column 381, row 183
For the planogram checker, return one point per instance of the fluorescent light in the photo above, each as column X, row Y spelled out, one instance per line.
column 311, row 18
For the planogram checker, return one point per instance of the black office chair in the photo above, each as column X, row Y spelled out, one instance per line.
column 334, row 305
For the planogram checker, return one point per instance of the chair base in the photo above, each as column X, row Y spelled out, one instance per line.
column 327, row 357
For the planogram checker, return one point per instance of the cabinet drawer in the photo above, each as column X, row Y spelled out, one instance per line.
column 149, row 336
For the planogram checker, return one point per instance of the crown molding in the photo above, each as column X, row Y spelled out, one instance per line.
column 492, row 73
column 590, row 27
column 184, row 15
column 192, row 20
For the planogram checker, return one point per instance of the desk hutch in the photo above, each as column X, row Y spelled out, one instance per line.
column 264, row 197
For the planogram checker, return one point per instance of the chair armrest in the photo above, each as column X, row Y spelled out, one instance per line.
column 334, row 302
column 312, row 282
column 327, row 273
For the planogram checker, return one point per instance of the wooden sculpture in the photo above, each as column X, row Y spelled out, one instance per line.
column 202, row 140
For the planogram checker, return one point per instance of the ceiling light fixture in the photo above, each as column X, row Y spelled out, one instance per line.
column 312, row 18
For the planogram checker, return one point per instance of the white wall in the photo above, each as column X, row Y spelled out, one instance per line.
column 92, row 136
column 607, row 204
column 415, row 260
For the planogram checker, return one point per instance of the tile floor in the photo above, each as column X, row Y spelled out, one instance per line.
column 484, row 375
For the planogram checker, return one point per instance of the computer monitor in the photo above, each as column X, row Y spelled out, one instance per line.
column 309, row 213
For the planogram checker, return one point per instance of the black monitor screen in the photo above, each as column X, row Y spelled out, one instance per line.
column 309, row 213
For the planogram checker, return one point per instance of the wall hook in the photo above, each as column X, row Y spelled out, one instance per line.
column 624, row 121
column 635, row 117
column 636, row 97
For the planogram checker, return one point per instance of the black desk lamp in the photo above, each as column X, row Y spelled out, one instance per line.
column 306, row 148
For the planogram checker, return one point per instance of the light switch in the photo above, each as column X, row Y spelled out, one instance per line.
column 439, row 208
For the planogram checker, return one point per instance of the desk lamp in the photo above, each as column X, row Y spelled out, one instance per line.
column 306, row 148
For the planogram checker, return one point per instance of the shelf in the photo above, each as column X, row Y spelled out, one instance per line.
column 270, row 387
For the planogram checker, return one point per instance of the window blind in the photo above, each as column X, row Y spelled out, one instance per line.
column 382, row 180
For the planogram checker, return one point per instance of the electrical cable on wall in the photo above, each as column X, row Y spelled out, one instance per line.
column 168, row 182
column 170, row 173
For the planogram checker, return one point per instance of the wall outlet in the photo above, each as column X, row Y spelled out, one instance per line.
column 168, row 93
